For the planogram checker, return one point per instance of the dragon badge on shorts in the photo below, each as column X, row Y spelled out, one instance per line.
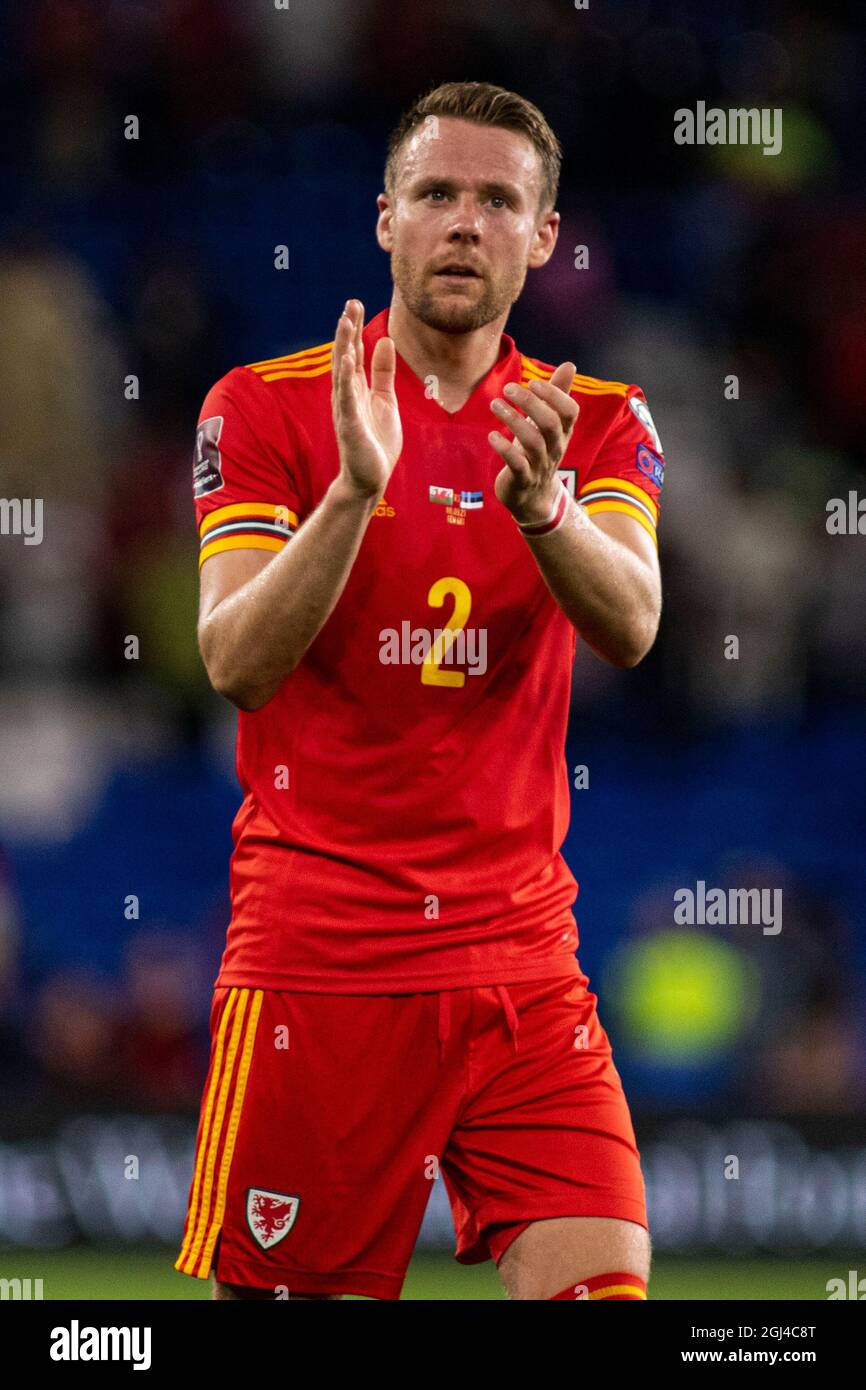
column 270, row 1215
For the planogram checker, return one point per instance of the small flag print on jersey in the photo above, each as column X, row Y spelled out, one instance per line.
column 270, row 1215
column 445, row 495
column 471, row 499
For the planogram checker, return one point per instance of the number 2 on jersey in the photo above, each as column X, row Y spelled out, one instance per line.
column 431, row 671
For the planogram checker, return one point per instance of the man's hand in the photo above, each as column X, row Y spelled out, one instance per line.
column 366, row 417
column 527, row 485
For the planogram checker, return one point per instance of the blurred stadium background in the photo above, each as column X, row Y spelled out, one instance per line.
column 153, row 258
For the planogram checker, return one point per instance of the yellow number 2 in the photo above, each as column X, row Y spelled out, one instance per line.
column 431, row 671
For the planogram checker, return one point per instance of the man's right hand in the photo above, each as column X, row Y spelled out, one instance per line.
column 366, row 417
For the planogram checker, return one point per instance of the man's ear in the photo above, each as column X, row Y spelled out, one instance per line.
column 544, row 241
column 384, row 234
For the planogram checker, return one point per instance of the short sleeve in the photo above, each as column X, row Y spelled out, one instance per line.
column 628, row 470
column 245, row 485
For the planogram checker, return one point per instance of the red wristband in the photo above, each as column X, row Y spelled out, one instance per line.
column 556, row 518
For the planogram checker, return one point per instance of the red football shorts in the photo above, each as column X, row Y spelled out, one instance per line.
column 326, row 1117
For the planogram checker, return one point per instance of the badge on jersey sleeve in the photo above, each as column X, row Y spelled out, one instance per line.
column 270, row 1215
column 650, row 464
column 207, row 465
column 642, row 411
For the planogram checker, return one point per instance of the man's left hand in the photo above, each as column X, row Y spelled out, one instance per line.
column 527, row 485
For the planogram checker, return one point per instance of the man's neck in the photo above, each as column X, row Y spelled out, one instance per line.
column 458, row 361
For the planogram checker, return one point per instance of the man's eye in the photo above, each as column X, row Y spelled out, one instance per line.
column 436, row 193
column 498, row 198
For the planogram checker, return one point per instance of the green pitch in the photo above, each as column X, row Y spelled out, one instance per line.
column 97, row 1274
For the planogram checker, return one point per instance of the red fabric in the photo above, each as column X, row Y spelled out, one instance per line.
column 620, row 1287
column 375, row 1095
column 417, row 843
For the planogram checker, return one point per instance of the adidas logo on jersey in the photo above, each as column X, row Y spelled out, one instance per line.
column 383, row 508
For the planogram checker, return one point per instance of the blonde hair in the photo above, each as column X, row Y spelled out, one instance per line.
column 484, row 104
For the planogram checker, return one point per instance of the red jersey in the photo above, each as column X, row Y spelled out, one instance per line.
column 405, row 792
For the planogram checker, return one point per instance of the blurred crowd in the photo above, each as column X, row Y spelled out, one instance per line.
column 82, row 1038
column 135, row 271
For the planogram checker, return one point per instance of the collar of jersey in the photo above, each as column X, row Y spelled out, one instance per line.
column 411, row 390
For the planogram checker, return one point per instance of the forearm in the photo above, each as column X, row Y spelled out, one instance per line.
column 253, row 639
column 606, row 591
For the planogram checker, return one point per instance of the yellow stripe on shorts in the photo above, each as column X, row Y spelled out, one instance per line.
column 202, row 1227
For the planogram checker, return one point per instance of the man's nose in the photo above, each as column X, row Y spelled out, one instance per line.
column 466, row 221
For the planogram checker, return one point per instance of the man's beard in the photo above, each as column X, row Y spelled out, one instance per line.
column 454, row 315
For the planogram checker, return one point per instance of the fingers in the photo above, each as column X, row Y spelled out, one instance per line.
column 356, row 313
column 514, row 456
column 350, row 327
column 557, row 397
column 540, row 431
column 382, row 366
column 349, row 347
column 563, row 377
column 344, row 362
column 525, row 432
column 347, row 358
column 337, row 354
column 342, row 343
column 550, row 415
column 345, row 386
